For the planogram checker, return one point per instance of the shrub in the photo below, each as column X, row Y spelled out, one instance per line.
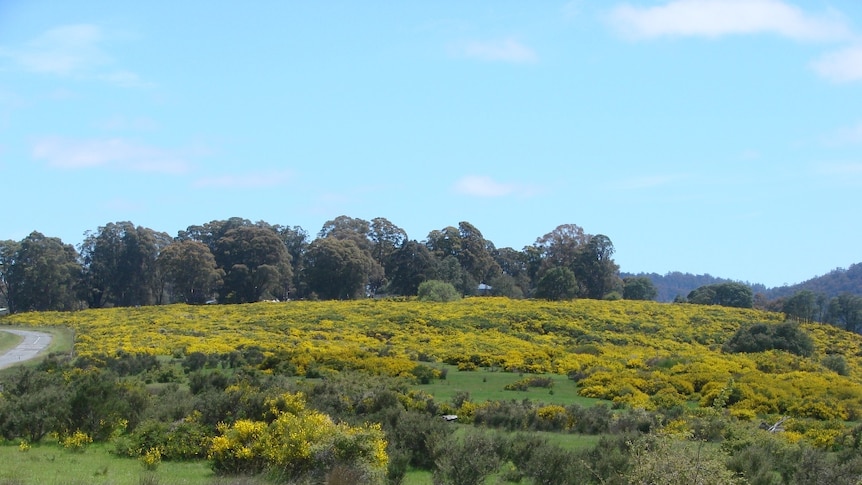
column 76, row 441
column 439, row 291
column 760, row 337
column 468, row 460
column 835, row 363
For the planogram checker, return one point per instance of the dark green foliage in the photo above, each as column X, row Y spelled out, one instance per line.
column 467, row 460
column 735, row 295
column 182, row 440
column 423, row 373
column 836, row 363
column 760, row 337
column 338, row 268
column 816, row 467
column 528, row 382
column 439, row 291
column 408, row 266
column 125, row 364
column 42, row 274
column 845, row 311
column 194, row 361
column 639, row 288
column 33, row 404
column 557, row 284
column 607, row 463
column 170, row 403
column 416, row 436
column 100, row 401
column 592, row 420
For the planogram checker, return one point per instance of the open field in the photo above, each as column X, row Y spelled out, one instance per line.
column 225, row 375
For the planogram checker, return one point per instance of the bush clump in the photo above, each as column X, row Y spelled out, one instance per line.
column 439, row 291
column 760, row 337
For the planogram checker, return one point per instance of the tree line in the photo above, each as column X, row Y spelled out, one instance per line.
column 239, row 261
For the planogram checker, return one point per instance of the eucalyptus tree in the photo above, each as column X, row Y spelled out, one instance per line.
column 120, row 264
column 190, row 271
column 43, row 275
column 255, row 262
column 472, row 251
column 337, row 268
column 409, row 266
column 8, row 248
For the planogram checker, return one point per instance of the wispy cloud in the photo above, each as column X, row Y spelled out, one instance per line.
column 71, row 50
column 502, row 50
column 841, row 66
column 246, row 180
column 63, row 50
column 484, row 186
column 715, row 18
column 115, row 153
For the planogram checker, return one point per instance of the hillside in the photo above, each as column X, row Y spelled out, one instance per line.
column 673, row 284
column 676, row 284
column 640, row 354
column 831, row 284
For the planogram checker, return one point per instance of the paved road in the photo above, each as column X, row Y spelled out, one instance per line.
column 33, row 343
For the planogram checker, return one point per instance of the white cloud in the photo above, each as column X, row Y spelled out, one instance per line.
column 841, row 66
column 115, row 153
column 484, row 186
column 63, row 50
column 715, row 18
column 71, row 50
column 246, row 180
column 504, row 50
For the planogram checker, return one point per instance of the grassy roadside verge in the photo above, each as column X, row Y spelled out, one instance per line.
column 8, row 340
column 62, row 341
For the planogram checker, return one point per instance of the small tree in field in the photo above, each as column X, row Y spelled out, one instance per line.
column 436, row 290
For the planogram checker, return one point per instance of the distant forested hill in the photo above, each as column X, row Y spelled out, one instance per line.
column 831, row 284
column 674, row 284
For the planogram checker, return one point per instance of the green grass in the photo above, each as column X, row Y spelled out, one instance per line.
column 8, row 340
column 49, row 464
column 488, row 385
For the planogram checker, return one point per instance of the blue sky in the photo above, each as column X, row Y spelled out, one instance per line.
column 704, row 136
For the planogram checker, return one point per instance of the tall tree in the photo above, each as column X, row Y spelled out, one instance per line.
column 296, row 241
column 845, row 311
column 120, row 264
column 558, row 283
column 8, row 249
column 256, row 265
column 212, row 231
column 408, row 266
column 595, row 269
column 359, row 231
column 43, row 275
column 344, row 227
column 190, row 270
column 385, row 238
column 562, row 246
column 337, row 268
column 472, row 251
column 639, row 288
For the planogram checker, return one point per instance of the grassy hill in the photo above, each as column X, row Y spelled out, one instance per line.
column 640, row 354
